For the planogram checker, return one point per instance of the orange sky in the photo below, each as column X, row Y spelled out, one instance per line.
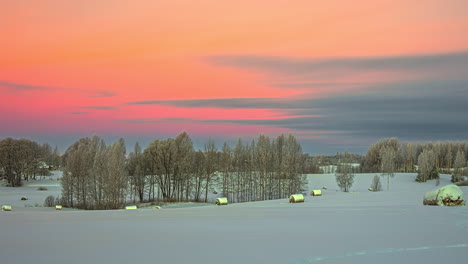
column 83, row 62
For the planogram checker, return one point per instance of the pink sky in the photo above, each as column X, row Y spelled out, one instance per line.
column 83, row 67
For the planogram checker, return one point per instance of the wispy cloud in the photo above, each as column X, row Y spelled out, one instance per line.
column 227, row 103
column 304, row 73
column 99, row 107
column 157, row 120
column 24, row 87
column 78, row 113
column 103, row 93
column 316, row 84
column 290, row 65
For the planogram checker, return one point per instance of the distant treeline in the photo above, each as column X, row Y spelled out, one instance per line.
column 428, row 159
column 22, row 159
column 315, row 164
column 325, row 160
column 97, row 176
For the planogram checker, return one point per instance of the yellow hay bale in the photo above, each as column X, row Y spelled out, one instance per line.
column 130, row 207
column 324, row 188
column 449, row 195
column 24, row 198
column 296, row 198
column 58, row 207
column 222, row 201
column 370, row 189
column 316, row 193
column 156, row 207
column 6, row 208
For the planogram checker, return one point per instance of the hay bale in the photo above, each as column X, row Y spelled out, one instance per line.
column 449, row 195
column 24, row 198
column 316, row 193
column 6, row 208
column 131, row 207
column 324, row 188
column 58, row 207
column 296, row 198
column 156, row 207
column 370, row 189
column 221, row 201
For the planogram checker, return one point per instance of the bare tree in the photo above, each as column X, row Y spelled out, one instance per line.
column 449, row 158
column 226, row 171
column 459, row 166
column 118, row 177
column 426, row 166
column 136, row 170
column 388, row 164
column 210, row 165
column 376, row 185
column 197, row 168
column 344, row 176
column 184, row 155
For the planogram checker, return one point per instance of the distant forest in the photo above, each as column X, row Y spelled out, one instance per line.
column 100, row 176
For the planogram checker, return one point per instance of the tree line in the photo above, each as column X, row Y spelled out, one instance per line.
column 97, row 176
column 427, row 159
column 23, row 159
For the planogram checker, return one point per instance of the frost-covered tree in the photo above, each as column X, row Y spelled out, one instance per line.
column 344, row 176
column 427, row 167
column 210, row 164
column 376, row 185
column 116, row 187
column 388, row 165
column 449, row 158
column 459, row 166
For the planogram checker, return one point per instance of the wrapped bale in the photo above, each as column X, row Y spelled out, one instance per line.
column 450, row 195
column 6, row 208
column 58, row 207
column 221, row 201
column 130, row 207
column 296, row 198
column 324, row 187
column 316, row 193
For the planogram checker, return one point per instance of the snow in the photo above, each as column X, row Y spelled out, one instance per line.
column 356, row 227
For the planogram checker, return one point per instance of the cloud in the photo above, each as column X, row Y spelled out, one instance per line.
column 28, row 87
column 78, row 113
column 336, row 73
column 415, row 110
column 290, row 65
column 226, row 103
column 155, row 120
column 24, row 87
column 103, row 93
column 316, row 84
column 99, row 107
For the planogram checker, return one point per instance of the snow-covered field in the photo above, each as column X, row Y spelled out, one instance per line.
column 357, row 227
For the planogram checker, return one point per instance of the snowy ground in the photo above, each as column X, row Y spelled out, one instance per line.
column 357, row 227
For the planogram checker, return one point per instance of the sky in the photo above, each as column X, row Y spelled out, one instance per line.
column 339, row 75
